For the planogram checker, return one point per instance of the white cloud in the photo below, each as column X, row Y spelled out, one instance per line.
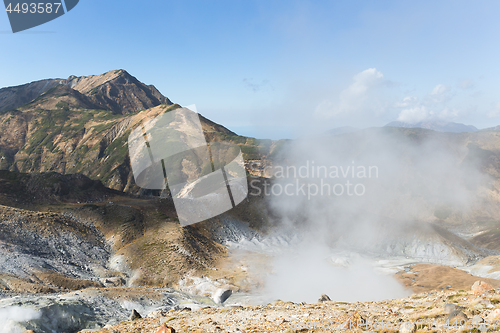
column 370, row 99
column 433, row 106
column 440, row 89
column 406, row 102
column 363, row 81
column 440, row 94
column 359, row 96
column 415, row 115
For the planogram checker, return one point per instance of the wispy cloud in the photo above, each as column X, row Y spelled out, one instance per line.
column 359, row 96
column 466, row 84
column 256, row 86
column 440, row 93
column 372, row 98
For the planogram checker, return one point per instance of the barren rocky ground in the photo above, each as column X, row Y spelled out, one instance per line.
column 474, row 310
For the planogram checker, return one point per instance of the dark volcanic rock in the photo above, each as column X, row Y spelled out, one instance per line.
column 134, row 315
column 457, row 314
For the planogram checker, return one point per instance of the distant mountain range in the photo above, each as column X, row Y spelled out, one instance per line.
column 496, row 128
column 436, row 125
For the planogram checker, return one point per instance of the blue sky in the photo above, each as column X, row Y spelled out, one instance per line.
column 275, row 69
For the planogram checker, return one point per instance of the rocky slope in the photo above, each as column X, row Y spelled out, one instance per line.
column 65, row 232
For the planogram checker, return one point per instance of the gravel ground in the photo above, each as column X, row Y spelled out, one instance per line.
column 457, row 311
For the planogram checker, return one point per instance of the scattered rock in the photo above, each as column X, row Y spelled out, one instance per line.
column 448, row 308
column 457, row 314
column 480, row 287
column 495, row 314
column 134, row 315
column 482, row 302
column 477, row 320
column 353, row 321
column 165, row 329
column 404, row 315
column 164, row 321
column 408, row 327
column 113, row 282
column 221, row 295
column 157, row 314
column 324, row 298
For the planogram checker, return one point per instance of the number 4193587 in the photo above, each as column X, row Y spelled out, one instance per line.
column 33, row 8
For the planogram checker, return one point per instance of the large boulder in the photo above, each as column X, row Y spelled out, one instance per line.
column 134, row 315
column 113, row 282
column 450, row 307
column 458, row 316
column 481, row 287
column 221, row 295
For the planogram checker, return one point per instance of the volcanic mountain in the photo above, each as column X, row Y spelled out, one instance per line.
column 81, row 125
column 117, row 91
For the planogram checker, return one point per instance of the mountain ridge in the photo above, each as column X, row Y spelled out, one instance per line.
column 436, row 125
column 117, row 91
column 81, row 125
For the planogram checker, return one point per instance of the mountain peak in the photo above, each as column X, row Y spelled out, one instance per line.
column 115, row 90
column 115, row 73
column 121, row 72
column 119, row 92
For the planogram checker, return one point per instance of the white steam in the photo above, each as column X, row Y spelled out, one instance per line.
column 12, row 316
column 414, row 175
column 310, row 271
